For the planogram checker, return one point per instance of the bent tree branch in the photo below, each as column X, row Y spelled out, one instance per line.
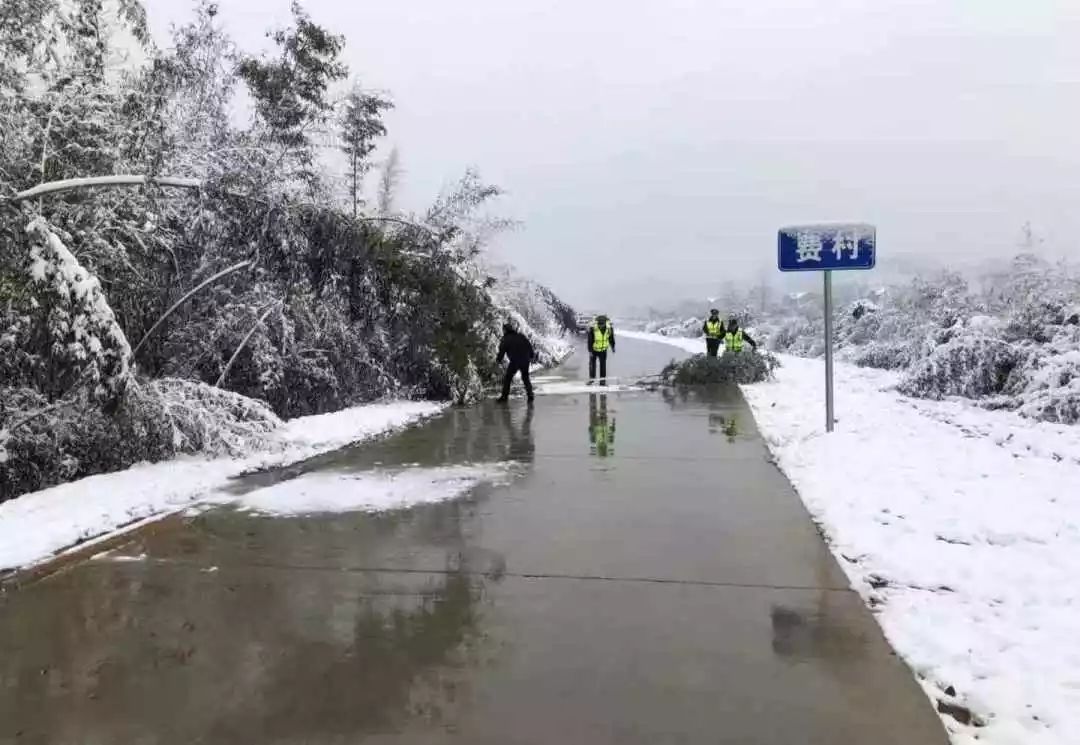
column 72, row 184
column 243, row 343
column 108, row 182
column 193, row 291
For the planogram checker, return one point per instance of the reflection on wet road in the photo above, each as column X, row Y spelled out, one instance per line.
column 670, row 591
column 601, row 426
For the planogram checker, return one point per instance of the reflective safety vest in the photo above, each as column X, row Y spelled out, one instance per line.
column 733, row 342
column 602, row 438
column 601, row 338
column 714, row 329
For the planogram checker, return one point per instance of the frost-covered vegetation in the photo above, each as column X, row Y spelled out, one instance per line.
column 239, row 283
column 747, row 366
column 1007, row 339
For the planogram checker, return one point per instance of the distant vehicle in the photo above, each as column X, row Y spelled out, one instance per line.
column 583, row 320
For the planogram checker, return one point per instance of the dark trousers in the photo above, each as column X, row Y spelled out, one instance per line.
column 712, row 347
column 600, row 357
column 513, row 369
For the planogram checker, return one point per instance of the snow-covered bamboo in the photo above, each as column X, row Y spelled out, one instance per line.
column 98, row 182
column 195, row 290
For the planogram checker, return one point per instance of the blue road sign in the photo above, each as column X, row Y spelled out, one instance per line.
column 816, row 248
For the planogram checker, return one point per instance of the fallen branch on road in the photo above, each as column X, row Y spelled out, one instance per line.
column 740, row 367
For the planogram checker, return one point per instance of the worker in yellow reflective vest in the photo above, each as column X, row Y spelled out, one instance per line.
column 714, row 333
column 601, row 339
column 734, row 337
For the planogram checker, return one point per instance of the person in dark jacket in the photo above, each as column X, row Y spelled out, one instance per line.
column 713, row 329
column 601, row 338
column 519, row 351
column 735, row 336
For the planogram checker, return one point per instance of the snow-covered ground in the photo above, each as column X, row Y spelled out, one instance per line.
column 960, row 527
column 35, row 526
column 375, row 490
column 695, row 346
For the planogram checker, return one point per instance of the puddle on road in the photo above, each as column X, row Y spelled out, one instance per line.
column 723, row 404
column 728, row 424
column 245, row 629
column 483, row 437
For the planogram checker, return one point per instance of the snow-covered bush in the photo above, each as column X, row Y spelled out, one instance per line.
column 895, row 355
column 798, row 335
column 85, row 343
column 1046, row 385
column 1017, row 347
column 42, row 444
column 1057, row 404
column 972, row 366
column 210, row 420
column 744, row 367
column 689, row 328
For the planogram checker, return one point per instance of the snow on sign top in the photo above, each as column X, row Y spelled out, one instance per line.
column 810, row 248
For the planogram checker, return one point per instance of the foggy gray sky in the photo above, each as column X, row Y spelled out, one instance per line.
column 666, row 142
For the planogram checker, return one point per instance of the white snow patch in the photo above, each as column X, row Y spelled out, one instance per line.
column 318, row 433
column 970, row 518
column 694, row 346
column 35, row 526
column 567, row 387
column 119, row 558
column 377, row 490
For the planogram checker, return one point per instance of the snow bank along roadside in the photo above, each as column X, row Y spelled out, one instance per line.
column 960, row 527
column 35, row 526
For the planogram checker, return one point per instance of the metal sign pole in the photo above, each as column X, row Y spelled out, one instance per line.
column 828, row 353
column 825, row 247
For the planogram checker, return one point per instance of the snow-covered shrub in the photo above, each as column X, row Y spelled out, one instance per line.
column 972, row 366
column 1037, row 319
column 884, row 355
column 1061, row 404
column 1046, row 384
column 798, row 335
column 87, row 345
column 690, row 328
column 860, row 323
column 209, row 420
column 744, row 367
column 46, row 444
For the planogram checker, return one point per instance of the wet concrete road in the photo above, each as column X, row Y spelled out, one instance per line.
column 648, row 577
